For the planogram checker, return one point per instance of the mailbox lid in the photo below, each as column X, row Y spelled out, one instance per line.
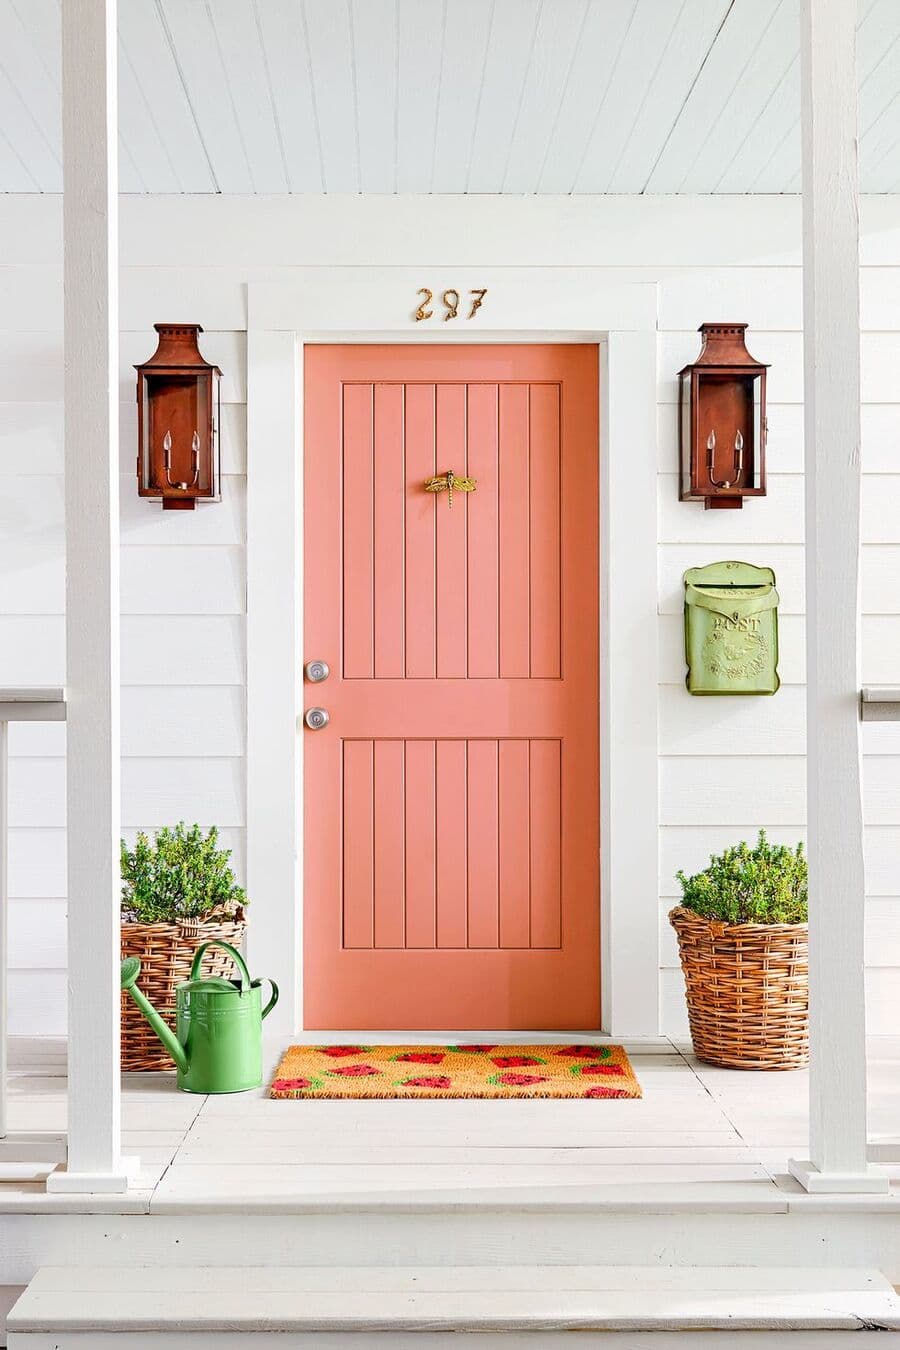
column 722, row 574
column 733, row 602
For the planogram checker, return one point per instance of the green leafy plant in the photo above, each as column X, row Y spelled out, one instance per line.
column 765, row 884
column 182, row 874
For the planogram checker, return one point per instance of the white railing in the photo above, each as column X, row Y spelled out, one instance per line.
column 880, row 703
column 16, row 705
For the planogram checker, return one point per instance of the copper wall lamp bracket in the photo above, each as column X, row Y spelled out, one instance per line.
column 195, row 461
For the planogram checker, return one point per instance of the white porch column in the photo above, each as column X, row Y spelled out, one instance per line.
column 274, row 662
column 832, row 391
column 92, row 593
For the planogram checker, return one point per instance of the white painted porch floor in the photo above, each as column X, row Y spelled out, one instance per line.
column 699, row 1136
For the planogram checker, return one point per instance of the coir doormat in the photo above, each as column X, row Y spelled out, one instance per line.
column 356, row 1071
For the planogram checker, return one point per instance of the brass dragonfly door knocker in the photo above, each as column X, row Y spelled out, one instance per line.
column 450, row 482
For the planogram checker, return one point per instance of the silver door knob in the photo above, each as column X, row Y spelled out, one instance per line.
column 317, row 671
column 316, row 718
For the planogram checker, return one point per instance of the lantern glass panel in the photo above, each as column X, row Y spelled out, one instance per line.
column 687, row 449
column 146, row 475
column 725, row 413
column 216, row 398
column 176, row 408
column 759, row 434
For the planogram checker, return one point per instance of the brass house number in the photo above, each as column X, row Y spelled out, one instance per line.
column 450, row 299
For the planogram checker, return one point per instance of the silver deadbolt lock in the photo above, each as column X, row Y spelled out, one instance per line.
column 317, row 671
column 316, row 718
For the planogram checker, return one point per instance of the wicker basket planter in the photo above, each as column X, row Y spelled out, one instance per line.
column 747, row 991
column 165, row 951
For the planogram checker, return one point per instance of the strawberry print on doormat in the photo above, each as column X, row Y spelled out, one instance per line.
column 510, row 1071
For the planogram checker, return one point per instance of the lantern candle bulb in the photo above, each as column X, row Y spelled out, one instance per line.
column 711, row 455
column 739, row 451
column 195, row 461
column 738, row 460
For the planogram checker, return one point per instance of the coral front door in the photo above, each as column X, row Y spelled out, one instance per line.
column 451, row 799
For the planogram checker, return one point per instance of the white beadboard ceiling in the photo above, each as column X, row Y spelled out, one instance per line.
column 384, row 96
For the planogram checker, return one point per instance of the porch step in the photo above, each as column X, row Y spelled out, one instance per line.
column 183, row 1307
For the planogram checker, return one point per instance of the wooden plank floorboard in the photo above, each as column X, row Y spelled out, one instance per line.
column 617, row 1299
column 400, row 1154
column 228, row 1141
column 300, row 1177
column 372, row 1279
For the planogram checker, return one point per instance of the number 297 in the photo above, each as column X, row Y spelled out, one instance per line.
column 450, row 299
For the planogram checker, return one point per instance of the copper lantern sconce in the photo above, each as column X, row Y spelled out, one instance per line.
column 178, row 421
column 722, row 421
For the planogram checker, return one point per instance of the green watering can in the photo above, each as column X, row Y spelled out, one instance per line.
column 218, row 1045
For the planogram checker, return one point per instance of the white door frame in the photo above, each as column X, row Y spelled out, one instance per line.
column 335, row 305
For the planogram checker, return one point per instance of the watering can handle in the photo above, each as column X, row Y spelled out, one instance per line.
column 273, row 1000
column 233, row 952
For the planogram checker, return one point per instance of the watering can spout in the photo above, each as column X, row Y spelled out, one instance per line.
column 131, row 969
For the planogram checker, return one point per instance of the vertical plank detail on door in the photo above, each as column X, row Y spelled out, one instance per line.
column 359, row 844
column 452, row 850
column 421, row 506
column 389, row 500
column 514, row 543
column 452, row 585
column 358, row 530
column 515, row 847
column 545, row 831
column 451, row 833
column 389, row 787
column 421, row 857
column 544, row 530
column 484, row 562
column 483, row 836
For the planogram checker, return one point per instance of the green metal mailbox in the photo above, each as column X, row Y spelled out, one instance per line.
column 731, row 629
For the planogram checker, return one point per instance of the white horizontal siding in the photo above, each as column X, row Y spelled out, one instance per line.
column 778, row 517
column 720, row 726
column 729, row 766
column 169, row 579
column 169, row 649
column 726, row 766
column 176, row 721
column 162, row 579
column 156, row 790
column 183, row 602
column 37, row 934
column 37, row 1002
column 31, row 364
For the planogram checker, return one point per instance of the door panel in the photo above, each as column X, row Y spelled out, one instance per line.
column 452, row 843
column 451, row 834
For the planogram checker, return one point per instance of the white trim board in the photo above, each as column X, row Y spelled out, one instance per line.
column 621, row 318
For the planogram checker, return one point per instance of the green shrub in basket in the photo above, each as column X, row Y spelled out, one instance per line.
column 766, row 884
column 181, row 874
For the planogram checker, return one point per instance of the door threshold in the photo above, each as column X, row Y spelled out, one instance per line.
column 644, row 1044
